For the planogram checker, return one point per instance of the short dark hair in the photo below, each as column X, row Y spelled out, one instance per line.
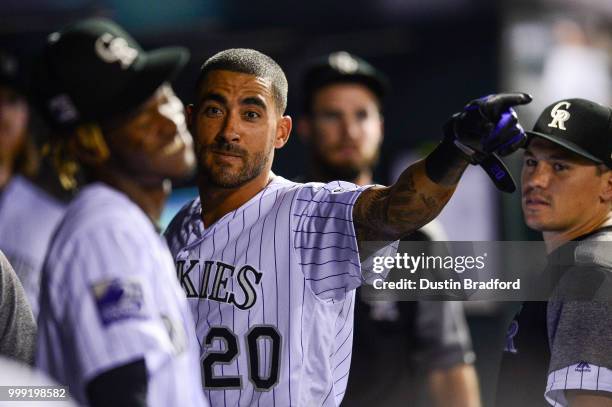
column 251, row 62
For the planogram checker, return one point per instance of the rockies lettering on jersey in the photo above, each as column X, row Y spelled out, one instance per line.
column 215, row 287
column 271, row 288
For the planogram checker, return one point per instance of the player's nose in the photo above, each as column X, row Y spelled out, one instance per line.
column 350, row 128
column 540, row 175
column 229, row 130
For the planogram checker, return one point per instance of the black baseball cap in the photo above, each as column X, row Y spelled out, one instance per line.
column 579, row 125
column 342, row 67
column 93, row 70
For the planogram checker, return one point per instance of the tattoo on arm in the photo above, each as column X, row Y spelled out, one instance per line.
column 390, row 213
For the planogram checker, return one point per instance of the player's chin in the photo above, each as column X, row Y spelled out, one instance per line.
column 537, row 222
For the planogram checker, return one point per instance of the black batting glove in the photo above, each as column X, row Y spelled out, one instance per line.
column 487, row 125
column 487, row 128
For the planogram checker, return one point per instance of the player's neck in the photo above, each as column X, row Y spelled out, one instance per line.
column 217, row 201
column 555, row 239
column 6, row 172
column 149, row 197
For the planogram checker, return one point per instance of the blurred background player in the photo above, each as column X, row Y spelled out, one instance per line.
column 114, row 324
column 28, row 215
column 343, row 130
column 17, row 325
column 559, row 350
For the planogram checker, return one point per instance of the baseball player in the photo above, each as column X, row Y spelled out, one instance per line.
column 559, row 350
column 343, row 128
column 269, row 265
column 17, row 326
column 28, row 215
column 114, row 325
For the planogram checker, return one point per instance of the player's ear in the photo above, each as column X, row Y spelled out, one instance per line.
column 606, row 192
column 283, row 131
column 90, row 145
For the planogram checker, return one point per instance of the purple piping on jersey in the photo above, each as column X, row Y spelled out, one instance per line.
column 323, row 217
column 323, row 278
column 331, row 289
column 329, row 261
column 312, row 200
column 327, row 247
column 323, row 233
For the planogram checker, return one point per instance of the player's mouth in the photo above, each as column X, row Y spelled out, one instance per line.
column 534, row 202
column 226, row 157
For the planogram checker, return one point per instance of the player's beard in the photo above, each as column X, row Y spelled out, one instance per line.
column 348, row 171
column 220, row 177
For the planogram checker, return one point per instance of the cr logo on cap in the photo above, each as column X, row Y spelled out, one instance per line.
column 111, row 49
column 343, row 62
column 559, row 115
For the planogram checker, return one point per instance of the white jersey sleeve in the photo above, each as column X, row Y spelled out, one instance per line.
column 110, row 297
column 324, row 236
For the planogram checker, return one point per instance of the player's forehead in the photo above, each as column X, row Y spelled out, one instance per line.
column 235, row 86
column 543, row 149
column 344, row 95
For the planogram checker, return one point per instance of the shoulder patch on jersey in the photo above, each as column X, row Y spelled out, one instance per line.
column 118, row 300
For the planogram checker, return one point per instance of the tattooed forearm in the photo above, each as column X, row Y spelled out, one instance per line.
column 389, row 213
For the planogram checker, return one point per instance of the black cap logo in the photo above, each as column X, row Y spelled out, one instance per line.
column 559, row 115
column 112, row 49
column 343, row 62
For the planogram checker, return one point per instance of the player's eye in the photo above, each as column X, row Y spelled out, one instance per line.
column 560, row 167
column 328, row 116
column 212, row 111
column 362, row 115
column 251, row 115
column 530, row 162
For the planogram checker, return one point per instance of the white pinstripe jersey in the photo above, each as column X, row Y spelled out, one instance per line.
column 271, row 286
column 28, row 217
column 109, row 297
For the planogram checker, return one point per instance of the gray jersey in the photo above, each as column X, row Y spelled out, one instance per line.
column 580, row 331
column 109, row 297
column 17, row 326
column 28, row 217
column 271, row 286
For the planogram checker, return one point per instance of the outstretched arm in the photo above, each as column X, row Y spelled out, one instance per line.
column 485, row 127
